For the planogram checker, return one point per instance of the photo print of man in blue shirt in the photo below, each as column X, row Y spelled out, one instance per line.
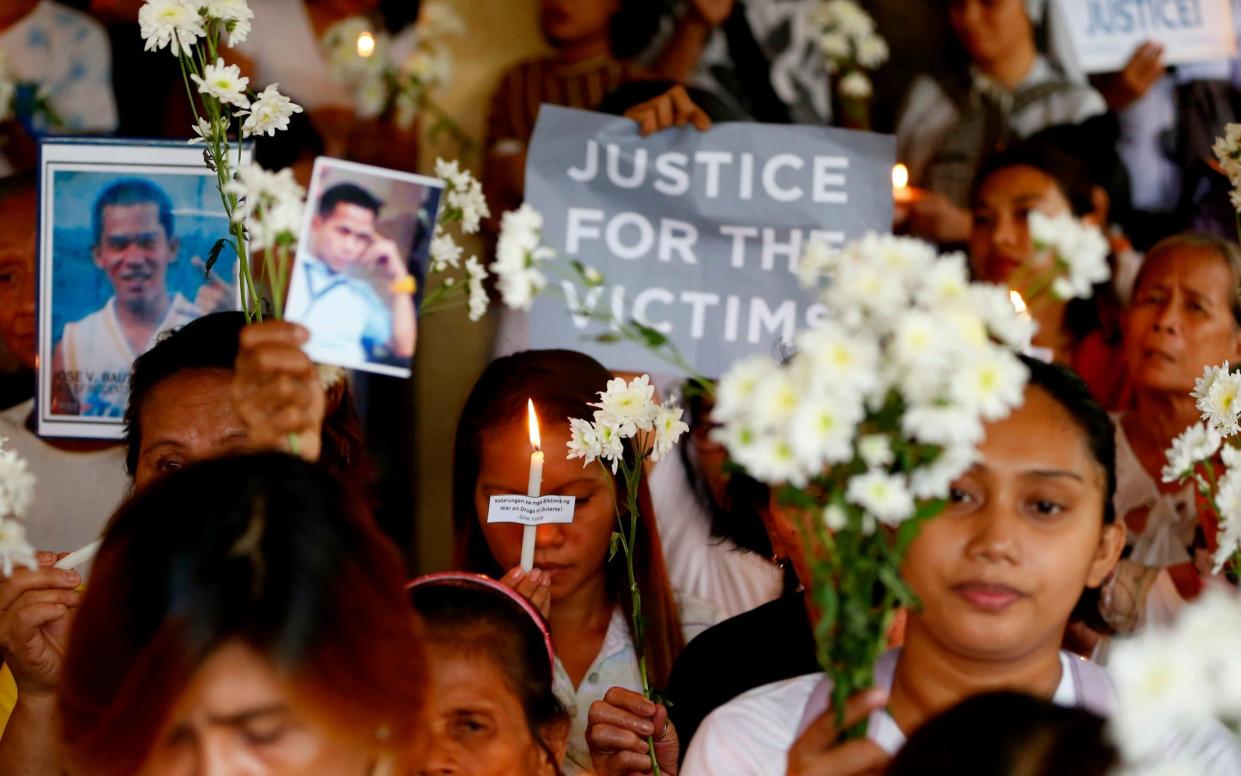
column 353, row 290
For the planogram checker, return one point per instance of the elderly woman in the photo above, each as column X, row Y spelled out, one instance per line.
column 1185, row 315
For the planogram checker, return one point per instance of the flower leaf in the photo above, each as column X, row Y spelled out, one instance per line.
column 214, row 255
column 614, row 546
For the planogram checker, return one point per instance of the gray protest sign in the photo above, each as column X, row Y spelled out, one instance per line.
column 697, row 234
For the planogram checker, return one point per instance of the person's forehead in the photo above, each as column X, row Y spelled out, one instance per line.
column 349, row 211
column 117, row 215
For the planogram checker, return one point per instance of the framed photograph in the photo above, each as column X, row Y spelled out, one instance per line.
column 125, row 229
column 360, row 264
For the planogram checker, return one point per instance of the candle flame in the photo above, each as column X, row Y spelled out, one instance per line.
column 366, row 44
column 1019, row 304
column 533, row 420
column 900, row 177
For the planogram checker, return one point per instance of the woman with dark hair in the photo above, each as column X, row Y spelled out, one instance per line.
column 264, row 626
column 489, row 652
column 1001, row 90
column 1038, row 177
column 1026, row 540
column 1009, row 734
column 573, row 579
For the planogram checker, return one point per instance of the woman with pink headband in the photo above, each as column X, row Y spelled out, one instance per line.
column 489, row 655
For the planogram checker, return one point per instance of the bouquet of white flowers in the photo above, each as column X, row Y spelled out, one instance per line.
column 196, row 32
column 1209, row 454
column 16, row 493
column 629, row 417
column 865, row 426
column 1173, row 682
column 852, row 46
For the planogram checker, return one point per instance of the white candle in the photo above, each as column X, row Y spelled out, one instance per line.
column 79, row 557
column 366, row 44
column 534, row 488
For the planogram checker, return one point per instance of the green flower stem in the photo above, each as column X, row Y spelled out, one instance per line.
column 627, row 535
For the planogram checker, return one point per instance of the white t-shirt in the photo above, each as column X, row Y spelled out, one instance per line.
column 75, row 493
column 66, row 54
column 616, row 665
column 751, row 735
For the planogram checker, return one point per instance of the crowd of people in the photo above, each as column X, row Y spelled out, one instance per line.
column 247, row 614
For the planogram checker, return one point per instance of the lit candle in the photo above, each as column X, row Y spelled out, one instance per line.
column 366, row 44
column 1019, row 304
column 902, row 192
column 534, row 488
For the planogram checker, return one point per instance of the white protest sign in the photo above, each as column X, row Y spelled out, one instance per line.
column 697, row 234
column 526, row 510
column 1105, row 33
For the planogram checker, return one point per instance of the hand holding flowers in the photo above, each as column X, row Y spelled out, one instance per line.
column 628, row 429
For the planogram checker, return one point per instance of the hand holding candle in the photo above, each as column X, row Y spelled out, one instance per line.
column 533, row 490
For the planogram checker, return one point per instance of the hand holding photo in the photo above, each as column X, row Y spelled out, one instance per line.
column 364, row 246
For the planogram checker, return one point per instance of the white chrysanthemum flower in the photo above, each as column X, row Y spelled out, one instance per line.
column 856, row 85
column 668, row 429
column 15, row 550
column 236, row 16
column 270, row 204
column 1197, row 443
column 439, row 20
column 478, row 301
column 991, row 383
column 942, row 424
column 1222, row 404
column 815, row 262
column 629, row 406
column 875, row 450
column 611, row 444
column 933, row 480
column 223, row 82
column 1080, row 252
column 1159, row 689
column 370, row 98
column 269, row 113
column 1228, row 150
column 583, row 441
column 946, row 282
column 464, row 194
column 176, row 24
column 821, row 429
column 519, row 251
column 839, row 361
column 445, row 251
column 735, row 393
column 836, row 46
column 203, row 130
column 994, row 305
column 16, row 483
column 885, row 496
column 775, row 398
column 835, row 518
column 872, row 51
column 919, row 345
column 770, row 458
column 848, row 17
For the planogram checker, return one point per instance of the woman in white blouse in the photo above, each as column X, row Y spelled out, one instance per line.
column 581, row 588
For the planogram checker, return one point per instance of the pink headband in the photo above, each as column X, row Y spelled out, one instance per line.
column 489, row 583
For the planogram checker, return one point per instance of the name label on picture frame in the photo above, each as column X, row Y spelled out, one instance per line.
column 525, row 510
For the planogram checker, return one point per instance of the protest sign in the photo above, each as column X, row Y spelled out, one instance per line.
column 697, row 234
column 1105, row 33
column 530, row 510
